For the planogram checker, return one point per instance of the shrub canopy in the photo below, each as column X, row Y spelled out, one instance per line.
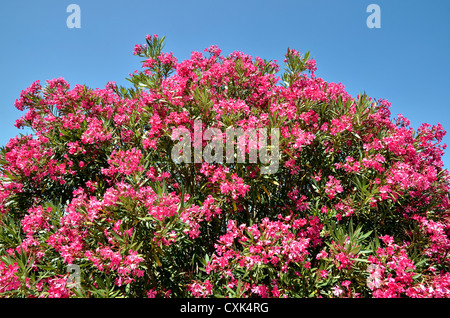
column 356, row 208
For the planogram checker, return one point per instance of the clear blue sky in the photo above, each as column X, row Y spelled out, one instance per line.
column 405, row 61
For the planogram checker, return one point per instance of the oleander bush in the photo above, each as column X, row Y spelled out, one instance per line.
column 357, row 206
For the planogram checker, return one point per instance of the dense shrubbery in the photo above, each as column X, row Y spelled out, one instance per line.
column 357, row 207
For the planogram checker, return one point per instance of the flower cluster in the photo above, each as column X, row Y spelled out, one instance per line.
column 277, row 246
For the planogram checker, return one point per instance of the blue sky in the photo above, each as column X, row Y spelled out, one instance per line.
column 405, row 61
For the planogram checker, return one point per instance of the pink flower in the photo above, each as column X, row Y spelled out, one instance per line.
column 151, row 293
column 332, row 187
column 337, row 291
column 8, row 277
column 338, row 125
column 345, row 283
column 139, row 49
column 322, row 254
